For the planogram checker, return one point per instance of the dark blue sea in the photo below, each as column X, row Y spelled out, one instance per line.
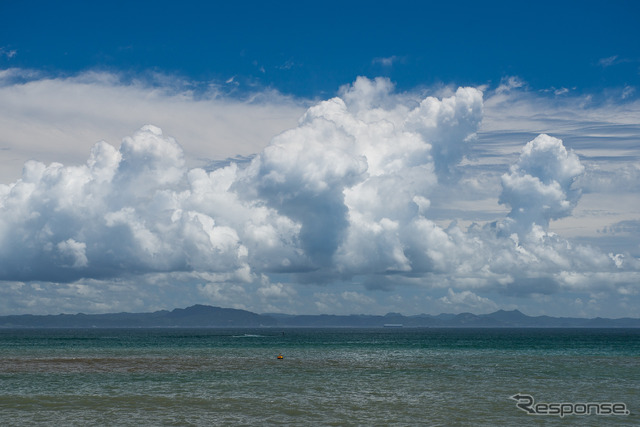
column 337, row 377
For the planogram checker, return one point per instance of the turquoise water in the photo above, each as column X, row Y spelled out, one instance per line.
column 327, row 376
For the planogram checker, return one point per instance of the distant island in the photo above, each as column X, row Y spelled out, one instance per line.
column 204, row 316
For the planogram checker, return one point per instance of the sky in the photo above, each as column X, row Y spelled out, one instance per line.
column 306, row 158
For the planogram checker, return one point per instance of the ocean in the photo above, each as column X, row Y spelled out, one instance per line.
column 385, row 376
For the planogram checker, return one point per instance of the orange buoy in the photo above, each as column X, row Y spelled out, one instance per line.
column 280, row 356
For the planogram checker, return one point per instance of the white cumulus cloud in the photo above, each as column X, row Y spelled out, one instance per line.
column 345, row 196
column 539, row 187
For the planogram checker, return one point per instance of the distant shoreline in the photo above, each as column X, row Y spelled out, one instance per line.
column 204, row 316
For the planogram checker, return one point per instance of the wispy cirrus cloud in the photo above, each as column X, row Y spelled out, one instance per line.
column 60, row 118
column 388, row 61
column 609, row 61
column 7, row 52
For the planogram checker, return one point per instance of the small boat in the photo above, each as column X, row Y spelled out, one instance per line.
column 280, row 356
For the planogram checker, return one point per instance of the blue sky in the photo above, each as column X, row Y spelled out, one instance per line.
column 311, row 49
column 343, row 157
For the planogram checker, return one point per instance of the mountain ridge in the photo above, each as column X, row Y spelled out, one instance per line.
column 206, row 316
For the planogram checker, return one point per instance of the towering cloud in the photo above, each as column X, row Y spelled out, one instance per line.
column 344, row 194
column 539, row 187
column 358, row 169
column 449, row 125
